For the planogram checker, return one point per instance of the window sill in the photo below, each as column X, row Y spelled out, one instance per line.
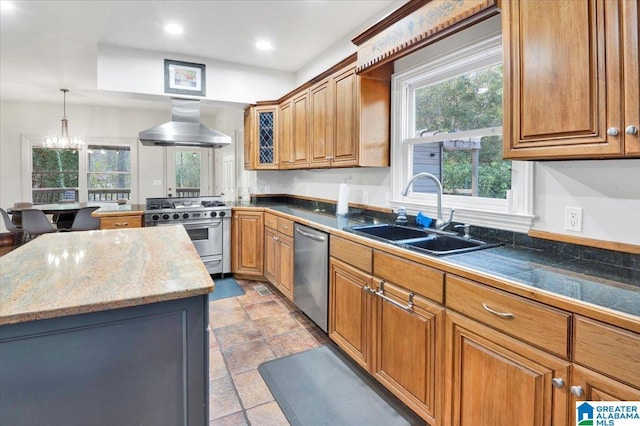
column 507, row 221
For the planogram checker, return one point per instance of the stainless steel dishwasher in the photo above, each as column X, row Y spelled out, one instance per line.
column 311, row 275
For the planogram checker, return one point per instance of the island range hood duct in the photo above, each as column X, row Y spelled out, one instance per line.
column 184, row 129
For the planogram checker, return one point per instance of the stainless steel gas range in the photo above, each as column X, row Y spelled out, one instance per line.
column 207, row 221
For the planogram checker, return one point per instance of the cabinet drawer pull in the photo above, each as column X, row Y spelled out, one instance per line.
column 121, row 223
column 577, row 391
column 406, row 307
column 507, row 315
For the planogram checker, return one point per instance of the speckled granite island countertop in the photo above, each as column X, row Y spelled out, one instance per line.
column 71, row 273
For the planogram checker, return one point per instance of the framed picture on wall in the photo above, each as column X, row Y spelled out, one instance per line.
column 184, row 78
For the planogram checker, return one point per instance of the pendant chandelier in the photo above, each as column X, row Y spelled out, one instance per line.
column 63, row 141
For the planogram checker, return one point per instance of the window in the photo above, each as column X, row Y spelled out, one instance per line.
column 447, row 120
column 188, row 173
column 102, row 171
column 54, row 176
column 108, row 173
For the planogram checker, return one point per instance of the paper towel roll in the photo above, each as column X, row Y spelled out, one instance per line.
column 342, row 207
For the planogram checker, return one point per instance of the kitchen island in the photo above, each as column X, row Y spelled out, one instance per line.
column 104, row 327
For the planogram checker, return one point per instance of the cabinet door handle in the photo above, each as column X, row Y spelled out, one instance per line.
column 121, row 223
column 577, row 391
column 631, row 130
column 557, row 382
column 612, row 131
column 506, row 315
column 406, row 307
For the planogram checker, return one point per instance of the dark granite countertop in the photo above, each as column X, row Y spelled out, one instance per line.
column 600, row 284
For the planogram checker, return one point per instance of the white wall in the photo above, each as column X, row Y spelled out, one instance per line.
column 608, row 191
column 142, row 72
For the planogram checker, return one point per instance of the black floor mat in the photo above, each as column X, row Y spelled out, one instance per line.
column 323, row 386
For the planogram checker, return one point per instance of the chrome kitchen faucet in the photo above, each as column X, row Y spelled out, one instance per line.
column 440, row 223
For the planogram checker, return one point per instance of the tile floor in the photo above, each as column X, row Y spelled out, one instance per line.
column 246, row 331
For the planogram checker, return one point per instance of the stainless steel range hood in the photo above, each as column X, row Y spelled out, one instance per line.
column 184, row 129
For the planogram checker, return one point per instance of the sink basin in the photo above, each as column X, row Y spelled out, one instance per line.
column 445, row 244
column 389, row 232
column 427, row 241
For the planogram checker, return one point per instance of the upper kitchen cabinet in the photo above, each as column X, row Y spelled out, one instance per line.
column 261, row 133
column 249, row 133
column 338, row 119
column 361, row 115
column 570, row 79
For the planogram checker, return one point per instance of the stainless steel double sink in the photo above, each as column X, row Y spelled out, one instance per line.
column 428, row 241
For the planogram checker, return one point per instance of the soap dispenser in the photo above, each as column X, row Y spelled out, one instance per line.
column 402, row 216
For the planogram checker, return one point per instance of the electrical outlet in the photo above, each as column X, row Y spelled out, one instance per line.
column 573, row 219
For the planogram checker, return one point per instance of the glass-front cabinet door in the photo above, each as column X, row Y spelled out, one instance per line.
column 266, row 128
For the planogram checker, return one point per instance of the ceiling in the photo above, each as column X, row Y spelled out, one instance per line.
column 48, row 45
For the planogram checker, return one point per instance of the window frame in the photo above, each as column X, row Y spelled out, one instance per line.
column 516, row 212
column 28, row 142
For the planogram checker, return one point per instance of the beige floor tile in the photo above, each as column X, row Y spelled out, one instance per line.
column 225, row 318
column 223, row 399
column 291, row 343
column 252, row 389
column 251, row 296
column 213, row 342
column 217, row 367
column 268, row 414
column 247, row 356
column 279, row 324
column 303, row 319
column 235, row 419
column 264, row 310
column 223, row 305
column 235, row 334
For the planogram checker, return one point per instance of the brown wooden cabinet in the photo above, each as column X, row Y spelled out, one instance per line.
column 278, row 252
column 495, row 380
column 387, row 328
column 587, row 385
column 514, row 350
column 249, row 134
column 321, row 124
column 407, row 346
column 285, row 139
column 121, row 220
column 247, row 236
column 263, row 136
column 339, row 119
column 350, row 306
column 570, row 79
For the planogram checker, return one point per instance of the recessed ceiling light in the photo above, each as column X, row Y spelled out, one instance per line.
column 173, row 29
column 264, row 45
column 7, row 5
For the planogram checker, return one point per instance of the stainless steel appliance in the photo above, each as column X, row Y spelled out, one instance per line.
column 207, row 221
column 311, row 275
column 184, row 129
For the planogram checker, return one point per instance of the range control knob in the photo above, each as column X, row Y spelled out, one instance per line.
column 155, row 217
column 176, row 216
column 214, row 214
column 165, row 216
column 222, row 214
column 185, row 215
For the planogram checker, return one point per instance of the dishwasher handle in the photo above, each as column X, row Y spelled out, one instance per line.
column 314, row 237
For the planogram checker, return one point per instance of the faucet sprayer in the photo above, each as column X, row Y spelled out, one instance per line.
column 440, row 222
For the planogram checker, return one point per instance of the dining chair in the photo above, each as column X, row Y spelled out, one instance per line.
column 16, row 215
column 16, row 231
column 84, row 221
column 35, row 223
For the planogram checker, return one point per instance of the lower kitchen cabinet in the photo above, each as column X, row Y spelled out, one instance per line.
column 247, row 236
column 133, row 220
column 350, row 306
column 407, row 356
column 278, row 253
column 495, row 380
